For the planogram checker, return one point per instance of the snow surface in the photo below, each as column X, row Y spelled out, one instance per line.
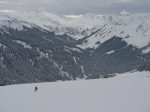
column 110, row 52
column 128, row 92
column 12, row 22
column 147, row 50
column 24, row 44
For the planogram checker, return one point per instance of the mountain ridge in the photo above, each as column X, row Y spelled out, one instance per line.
column 41, row 47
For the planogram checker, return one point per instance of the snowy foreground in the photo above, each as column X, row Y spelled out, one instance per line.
column 129, row 92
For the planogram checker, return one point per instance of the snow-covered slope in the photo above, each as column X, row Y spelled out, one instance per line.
column 133, row 28
column 12, row 22
column 129, row 92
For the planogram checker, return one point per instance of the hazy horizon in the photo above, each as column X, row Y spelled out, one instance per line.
column 77, row 6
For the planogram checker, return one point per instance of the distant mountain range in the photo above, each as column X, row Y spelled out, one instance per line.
column 41, row 47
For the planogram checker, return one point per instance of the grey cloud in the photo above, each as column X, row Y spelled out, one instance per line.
column 78, row 6
column 132, row 6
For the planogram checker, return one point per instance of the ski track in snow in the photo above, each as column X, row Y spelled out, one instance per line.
column 128, row 92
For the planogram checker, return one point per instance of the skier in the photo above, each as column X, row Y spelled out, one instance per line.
column 35, row 89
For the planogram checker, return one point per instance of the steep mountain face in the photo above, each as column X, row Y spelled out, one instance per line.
column 39, row 46
column 113, row 56
column 144, row 67
column 34, row 55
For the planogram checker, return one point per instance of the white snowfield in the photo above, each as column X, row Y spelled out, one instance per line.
column 129, row 92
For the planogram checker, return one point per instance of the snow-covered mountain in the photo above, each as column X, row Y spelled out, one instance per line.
column 133, row 28
column 40, row 46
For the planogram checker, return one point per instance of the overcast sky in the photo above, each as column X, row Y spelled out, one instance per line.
column 77, row 6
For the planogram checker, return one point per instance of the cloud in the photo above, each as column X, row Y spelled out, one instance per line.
column 7, row 10
column 77, row 6
column 73, row 16
column 132, row 6
column 1, row 2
